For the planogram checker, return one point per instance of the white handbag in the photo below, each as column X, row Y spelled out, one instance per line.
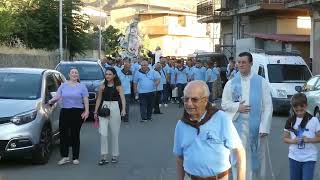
column 175, row 92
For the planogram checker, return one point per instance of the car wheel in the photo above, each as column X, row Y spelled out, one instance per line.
column 42, row 152
column 317, row 113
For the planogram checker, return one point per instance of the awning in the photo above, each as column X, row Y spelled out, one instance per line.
column 281, row 37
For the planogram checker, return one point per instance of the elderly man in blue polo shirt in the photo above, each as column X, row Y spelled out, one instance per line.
column 145, row 82
column 204, row 138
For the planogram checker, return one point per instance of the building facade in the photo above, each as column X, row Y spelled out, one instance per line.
column 170, row 25
column 257, row 24
column 314, row 7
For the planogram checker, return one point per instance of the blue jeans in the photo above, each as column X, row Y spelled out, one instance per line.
column 146, row 105
column 301, row 170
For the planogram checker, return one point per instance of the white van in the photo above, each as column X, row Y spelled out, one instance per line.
column 284, row 71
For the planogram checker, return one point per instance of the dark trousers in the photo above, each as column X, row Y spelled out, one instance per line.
column 69, row 126
column 128, row 102
column 180, row 92
column 210, row 85
column 156, row 101
column 146, row 105
column 165, row 94
column 301, row 170
column 170, row 88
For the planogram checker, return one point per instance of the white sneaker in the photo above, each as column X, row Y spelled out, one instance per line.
column 64, row 160
column 76, row 162
column 165, row 105
column 160, row 105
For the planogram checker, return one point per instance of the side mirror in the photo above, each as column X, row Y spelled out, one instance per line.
column 298, row 89
column 53, row 94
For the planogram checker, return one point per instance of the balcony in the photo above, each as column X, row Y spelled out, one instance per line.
column 249, row 6
column 300, row 3
column 211, row 11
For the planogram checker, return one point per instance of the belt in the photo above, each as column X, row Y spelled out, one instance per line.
column 217, row 177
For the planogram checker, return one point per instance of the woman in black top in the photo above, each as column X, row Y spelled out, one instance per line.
column 110, row 94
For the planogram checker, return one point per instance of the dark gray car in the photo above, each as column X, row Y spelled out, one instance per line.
column 91, row 74
column 28, row 127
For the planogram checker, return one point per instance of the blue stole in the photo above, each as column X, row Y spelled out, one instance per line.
column 254, row 115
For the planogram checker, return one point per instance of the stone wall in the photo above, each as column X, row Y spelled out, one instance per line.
column 23, row 60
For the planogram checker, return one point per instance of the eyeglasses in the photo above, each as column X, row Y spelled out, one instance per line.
column 193, row 99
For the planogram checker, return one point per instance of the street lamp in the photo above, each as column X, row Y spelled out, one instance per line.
column 60, row 30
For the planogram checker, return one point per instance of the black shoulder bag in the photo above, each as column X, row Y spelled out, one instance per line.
column 104, row 110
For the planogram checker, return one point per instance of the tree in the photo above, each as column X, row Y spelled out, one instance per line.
column 35, row 22
column 76, row 25
column 110, row 37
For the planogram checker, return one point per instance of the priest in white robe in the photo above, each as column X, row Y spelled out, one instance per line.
column 247, row 101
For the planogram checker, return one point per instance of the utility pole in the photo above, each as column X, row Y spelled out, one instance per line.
column 99, row 55
column 60, row 30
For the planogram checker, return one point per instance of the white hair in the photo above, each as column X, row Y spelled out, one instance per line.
column 202, row 84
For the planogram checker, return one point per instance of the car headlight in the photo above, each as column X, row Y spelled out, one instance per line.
column 281, row 93
column 24, row 117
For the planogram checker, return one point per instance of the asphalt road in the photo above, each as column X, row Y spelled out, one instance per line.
column 145, row 153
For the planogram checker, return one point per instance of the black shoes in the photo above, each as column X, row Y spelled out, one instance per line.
column 103, row 162
column 114, row 160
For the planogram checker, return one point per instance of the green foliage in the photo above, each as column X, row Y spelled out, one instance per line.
column 110, row 38
column 36, row 24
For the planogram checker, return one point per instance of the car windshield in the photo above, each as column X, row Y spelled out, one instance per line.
column 86, row 71
column 279, row 73
column 19, row 86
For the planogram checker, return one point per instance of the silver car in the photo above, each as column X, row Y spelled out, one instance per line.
column 28, row 127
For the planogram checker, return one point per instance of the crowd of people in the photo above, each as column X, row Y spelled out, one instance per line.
column 209, row 143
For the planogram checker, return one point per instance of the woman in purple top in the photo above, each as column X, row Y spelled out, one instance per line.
column 75, row 110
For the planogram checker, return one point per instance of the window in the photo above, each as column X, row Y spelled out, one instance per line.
column 58, row 78
column 288, row 73
column 182, row 21
column 19, row 85
column 86, row 71
column 261, row 71
column 51, row 86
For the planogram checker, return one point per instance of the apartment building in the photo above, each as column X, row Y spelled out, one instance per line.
column 314, row 7
column 170, row 24
column 257, row 24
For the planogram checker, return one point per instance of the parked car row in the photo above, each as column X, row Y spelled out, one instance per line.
column 28, row 126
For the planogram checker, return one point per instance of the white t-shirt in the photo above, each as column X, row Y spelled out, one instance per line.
column 309, row 153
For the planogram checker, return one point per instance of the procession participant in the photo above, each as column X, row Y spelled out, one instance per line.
column 125, row 76
column 110, row 94
column 247, row 101
column 204, row 138
column 145, row 82
column 75, row 110
column 181, row 79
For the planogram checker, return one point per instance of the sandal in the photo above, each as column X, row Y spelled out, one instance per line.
column 114, row 160
column 103, row 162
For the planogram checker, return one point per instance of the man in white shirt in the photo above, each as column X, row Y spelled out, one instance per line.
column 247, row 101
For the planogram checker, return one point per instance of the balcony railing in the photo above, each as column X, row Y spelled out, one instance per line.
column 247, row 3
column 295, row 3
